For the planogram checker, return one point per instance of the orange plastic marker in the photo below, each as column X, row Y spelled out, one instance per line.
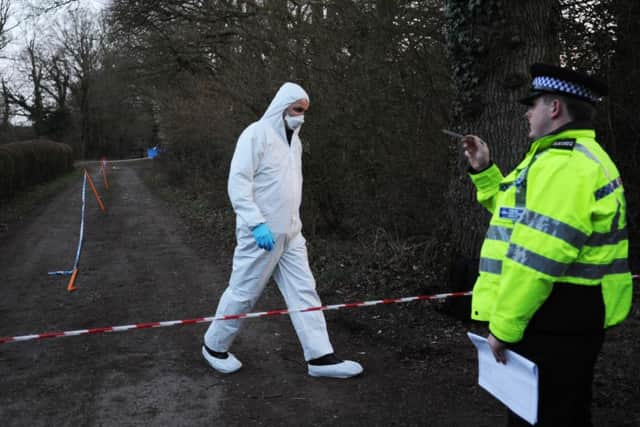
column 104, row 176
column 72, row 282
column 95, row 192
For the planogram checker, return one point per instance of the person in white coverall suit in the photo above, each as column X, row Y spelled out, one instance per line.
column 265, row 188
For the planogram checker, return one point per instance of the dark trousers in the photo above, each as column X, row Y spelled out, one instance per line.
column 564, row 339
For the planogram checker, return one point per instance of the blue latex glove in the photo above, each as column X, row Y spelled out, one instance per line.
column 263, row 236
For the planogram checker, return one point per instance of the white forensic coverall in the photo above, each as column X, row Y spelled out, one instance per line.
column 265, row 185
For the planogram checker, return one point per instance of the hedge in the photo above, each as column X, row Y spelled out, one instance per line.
column 27, row 163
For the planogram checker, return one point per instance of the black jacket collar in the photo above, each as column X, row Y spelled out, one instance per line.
column 572, row 125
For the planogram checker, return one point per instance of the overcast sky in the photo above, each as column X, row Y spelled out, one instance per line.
column 22, row 23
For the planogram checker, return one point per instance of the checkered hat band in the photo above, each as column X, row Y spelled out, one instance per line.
column 557, row 85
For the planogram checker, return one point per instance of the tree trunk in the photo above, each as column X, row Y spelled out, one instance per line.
column 491, row 45
column 624, row 110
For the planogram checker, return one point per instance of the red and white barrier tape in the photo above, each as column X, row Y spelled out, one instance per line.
column 123, row 328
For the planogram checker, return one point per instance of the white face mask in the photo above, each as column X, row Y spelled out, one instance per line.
column 294, row 122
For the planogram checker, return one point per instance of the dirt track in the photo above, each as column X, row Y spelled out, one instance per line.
column 138, row 264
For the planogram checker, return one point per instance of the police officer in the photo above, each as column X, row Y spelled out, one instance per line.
column 554, row 267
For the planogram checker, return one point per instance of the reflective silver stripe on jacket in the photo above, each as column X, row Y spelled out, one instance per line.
column 559, row 229
column 520, row 183
column 610, row 238
column 497, row 232
column 558, row 269
column 584, row 150
column 553, row 227
column 608, row 188
column 489, row 265
column 536, row 261
column 596, row 271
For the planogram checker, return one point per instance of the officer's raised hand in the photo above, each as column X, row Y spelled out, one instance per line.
column 263, row 236
column 476, row 151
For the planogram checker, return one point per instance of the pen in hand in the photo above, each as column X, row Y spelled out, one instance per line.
column 452, row 134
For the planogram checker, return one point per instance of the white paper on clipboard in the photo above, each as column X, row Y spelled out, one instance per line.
column 515, row 383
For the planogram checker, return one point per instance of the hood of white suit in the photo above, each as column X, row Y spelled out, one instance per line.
column 286, row 95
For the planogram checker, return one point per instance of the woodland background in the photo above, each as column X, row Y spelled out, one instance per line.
column 384, row 76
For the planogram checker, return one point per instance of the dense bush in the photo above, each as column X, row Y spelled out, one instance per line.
column 379, row 86
column 383, row 80
column 31, row 162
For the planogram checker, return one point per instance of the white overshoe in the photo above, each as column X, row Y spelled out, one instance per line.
column 345, row 369
column 224, row 366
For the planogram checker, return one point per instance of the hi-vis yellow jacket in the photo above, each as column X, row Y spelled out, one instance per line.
column 558, row 217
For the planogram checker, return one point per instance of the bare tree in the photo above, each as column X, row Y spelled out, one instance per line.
column 34, row 103
column 43, row 98
column 5, row 9
column 58, row 80
column 40, row 7
column 80, row 41
column 6, row 108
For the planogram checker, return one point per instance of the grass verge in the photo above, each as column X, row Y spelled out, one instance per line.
column 14, row 210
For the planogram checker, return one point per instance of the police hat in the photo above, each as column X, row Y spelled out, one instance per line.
column 563, row 81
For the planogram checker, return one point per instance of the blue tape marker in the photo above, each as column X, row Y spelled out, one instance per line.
column 61, row 273
column 77, row 260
